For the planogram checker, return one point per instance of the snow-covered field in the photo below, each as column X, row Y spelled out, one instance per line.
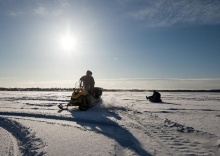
column 124, row 123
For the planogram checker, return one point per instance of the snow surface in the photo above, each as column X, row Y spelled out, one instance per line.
column 124, row 123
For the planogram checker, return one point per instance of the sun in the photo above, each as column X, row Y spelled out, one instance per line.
column 67, row 42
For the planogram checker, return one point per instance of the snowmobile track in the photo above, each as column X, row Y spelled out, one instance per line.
column 28, row 143
column 165, row 138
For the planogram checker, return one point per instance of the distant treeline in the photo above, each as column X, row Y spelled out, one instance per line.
column 107, row 90
column 36, row 89
column 143, row 90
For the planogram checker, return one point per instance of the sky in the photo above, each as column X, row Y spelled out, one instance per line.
column 128, row 44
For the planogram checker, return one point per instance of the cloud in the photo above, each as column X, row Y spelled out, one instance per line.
column 41, row 11
column 172, row 12
column 159, row 83
column 51, row 8
column 57, row 12
column 15, row 14
column 64, row 3
column 167, row 79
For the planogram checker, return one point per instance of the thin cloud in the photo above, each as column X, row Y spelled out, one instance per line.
column 41, row 11
column 64, row 3
column 172, row 12
column 51, row 8
column 15, row 14
column 161, row 79
column 57, row 12
column 159, row 83
column 54, row 83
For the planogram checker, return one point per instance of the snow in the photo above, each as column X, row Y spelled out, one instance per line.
column 124, row 123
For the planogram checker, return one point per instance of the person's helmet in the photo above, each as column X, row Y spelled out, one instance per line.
column 88, row 72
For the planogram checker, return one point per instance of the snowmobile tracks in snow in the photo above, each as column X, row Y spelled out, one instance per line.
column 27, row 142
column 9, row 145
column 169, row 138
column 157, row 136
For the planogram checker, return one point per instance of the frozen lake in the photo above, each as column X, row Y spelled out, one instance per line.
column 124, row 123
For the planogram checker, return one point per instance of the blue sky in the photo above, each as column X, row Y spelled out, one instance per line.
column 125, row 43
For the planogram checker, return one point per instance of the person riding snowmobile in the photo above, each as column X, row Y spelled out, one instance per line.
column 156, row 97
column 88, row 82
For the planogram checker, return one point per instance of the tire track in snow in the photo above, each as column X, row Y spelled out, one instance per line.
column 9, row 145
column 168, row 139
column 28, row 143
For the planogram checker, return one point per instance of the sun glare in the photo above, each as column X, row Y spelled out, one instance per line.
column 67, row 42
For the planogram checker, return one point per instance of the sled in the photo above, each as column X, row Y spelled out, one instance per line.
column 151, row 99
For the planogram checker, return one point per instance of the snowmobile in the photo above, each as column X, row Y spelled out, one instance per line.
column 152, row 99
column 82, row 98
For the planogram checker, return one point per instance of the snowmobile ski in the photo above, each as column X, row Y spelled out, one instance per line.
column 61, row 107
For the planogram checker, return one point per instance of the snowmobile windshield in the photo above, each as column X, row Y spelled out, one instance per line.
column 79, row 84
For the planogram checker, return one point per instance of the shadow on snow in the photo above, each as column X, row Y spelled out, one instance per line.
column 97, row 120
column 111, row 129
